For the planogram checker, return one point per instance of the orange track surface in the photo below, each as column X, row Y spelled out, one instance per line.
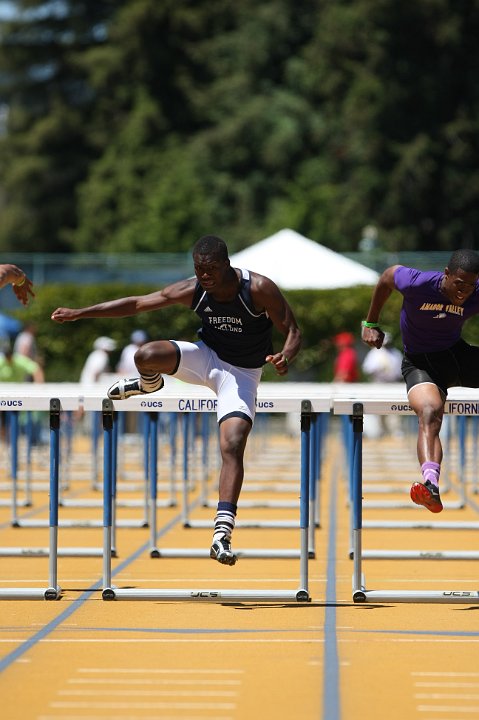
column 329, row 659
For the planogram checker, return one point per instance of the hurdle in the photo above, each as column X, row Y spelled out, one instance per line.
column 19, row 397
column 272, row 397
column 13, row 427
column 54, row 406
column 459, row 403
column 449, row 454
column 81, row 393
column 318, row 429
column 242, row 523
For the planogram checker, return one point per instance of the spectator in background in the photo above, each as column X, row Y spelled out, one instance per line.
column 9, row 329
column 126, row 364
column 18, row 368
column 383, row 365
column 346, row 365
column 25, row 342
column 98, row 361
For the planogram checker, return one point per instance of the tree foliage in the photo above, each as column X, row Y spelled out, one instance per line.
column 139, row 125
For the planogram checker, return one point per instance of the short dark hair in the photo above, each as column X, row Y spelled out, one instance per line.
column 466, row 260
column 211, row 245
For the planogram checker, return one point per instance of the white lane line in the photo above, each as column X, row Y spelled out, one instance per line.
column 427, row 639
column 131, row 717
column 444, row 673
column 152, row 681
column 175, row 640
column 446, row 696
column 447, row 708
column 162, row 671
column 149, row 693
column 141, row 706
column 444, row 684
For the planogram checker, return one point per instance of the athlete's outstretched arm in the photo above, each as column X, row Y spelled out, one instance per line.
column 180, row 293
column 21, row 284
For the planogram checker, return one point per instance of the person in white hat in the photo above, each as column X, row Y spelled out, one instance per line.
column 126, row 364
column 98, row 361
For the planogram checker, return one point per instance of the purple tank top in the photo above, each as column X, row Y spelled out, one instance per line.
column 429, row 322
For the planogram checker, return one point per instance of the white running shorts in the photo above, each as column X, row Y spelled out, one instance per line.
column 235, row 387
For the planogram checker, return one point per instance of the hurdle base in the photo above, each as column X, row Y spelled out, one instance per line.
column 45, row 552
column 214, row 596
column 421, row 554
column 50, row 593
column 465, row 597
column 245, row 524
column 53, row 593
column 205, row 553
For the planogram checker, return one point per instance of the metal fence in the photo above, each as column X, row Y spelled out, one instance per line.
column 161, row 268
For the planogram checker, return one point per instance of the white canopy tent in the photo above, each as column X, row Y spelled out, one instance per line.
column 295, row 263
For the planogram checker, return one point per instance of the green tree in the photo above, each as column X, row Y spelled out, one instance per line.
column 44, row 152
column 394, row 86
column 139, row 125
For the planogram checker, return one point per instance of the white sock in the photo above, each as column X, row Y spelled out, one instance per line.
column 151, row 383
column 224, row 520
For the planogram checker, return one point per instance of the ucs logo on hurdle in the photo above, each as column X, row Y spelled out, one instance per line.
column 205, row 594
column 11, row 403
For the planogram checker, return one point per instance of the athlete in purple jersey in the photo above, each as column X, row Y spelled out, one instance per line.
column 238, row 310
column 435, row 307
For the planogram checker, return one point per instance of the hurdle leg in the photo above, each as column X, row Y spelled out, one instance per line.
column 306, row 414
column 114, row 475
column 107, row 417
column 153, row 481
column 13, row 428
column 54, row 591
column 357, row 423
column 313, row 478
column 462, row 461
column 185, row 508
column 205, row 436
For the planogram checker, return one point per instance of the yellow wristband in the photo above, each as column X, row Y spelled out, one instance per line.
column 20, row 282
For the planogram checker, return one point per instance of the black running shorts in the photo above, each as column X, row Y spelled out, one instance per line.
column 457, row 366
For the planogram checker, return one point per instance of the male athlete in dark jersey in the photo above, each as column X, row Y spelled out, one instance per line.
column 435, row 307
column 238, row 310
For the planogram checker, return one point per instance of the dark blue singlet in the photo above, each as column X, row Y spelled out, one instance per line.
column 234, row 330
